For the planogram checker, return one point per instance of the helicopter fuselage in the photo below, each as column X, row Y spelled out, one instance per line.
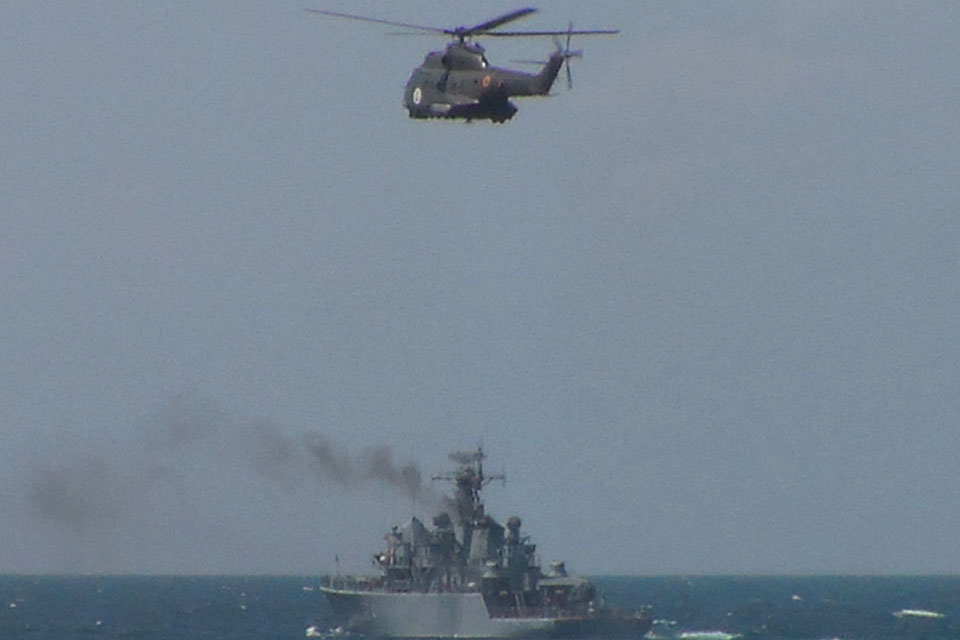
column 459, row 83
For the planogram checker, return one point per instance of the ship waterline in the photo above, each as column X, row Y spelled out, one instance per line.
column 428, row 615
column 462, row 615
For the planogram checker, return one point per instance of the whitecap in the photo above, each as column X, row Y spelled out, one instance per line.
column 918, row 613
column 707, row 635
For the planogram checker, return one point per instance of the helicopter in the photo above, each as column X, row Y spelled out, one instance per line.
column 459, row 81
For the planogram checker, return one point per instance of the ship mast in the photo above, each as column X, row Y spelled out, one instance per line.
column 468, row 481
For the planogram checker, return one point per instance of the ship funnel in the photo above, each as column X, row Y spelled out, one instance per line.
column 513, row 529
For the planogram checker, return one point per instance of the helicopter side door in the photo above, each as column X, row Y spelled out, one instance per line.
column 425, row 95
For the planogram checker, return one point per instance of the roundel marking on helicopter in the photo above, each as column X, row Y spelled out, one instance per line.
column 417, row 95
column 486, row 81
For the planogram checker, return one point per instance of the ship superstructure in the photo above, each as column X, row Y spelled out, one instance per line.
column 470, row 576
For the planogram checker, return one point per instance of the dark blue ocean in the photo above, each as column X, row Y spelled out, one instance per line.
column 282, row 608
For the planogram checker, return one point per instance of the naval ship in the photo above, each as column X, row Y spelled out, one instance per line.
column 468, row 576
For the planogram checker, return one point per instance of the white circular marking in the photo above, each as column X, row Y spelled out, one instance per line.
column 417, row 94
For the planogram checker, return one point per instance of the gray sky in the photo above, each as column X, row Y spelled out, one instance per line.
column 702, row 310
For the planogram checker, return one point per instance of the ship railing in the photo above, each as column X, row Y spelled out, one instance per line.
column 350, row 583
column 535, row 612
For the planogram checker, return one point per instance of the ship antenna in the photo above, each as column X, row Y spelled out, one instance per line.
column 468, row 481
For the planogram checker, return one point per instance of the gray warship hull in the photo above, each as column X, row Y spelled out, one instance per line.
column 463, row 615
column 471, row 577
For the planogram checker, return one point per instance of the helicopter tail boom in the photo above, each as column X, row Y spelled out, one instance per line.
column 549, row 73
column 558, row 59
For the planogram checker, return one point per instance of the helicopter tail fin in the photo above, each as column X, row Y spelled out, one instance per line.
column 558, row 58
column 548, row 74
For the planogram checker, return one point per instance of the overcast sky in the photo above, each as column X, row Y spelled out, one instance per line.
column 703, row 310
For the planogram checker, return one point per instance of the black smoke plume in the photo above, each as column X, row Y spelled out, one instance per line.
column 91, row 493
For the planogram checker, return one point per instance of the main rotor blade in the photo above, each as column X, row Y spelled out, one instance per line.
column 532, row 34
column 495, row 22
column 405, row 25
column 484, row 28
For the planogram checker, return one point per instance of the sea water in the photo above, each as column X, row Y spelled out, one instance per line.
column 688, row 608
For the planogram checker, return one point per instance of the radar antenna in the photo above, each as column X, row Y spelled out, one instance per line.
column 469, row 481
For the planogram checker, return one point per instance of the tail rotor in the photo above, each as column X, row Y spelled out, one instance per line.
column 564, row 50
